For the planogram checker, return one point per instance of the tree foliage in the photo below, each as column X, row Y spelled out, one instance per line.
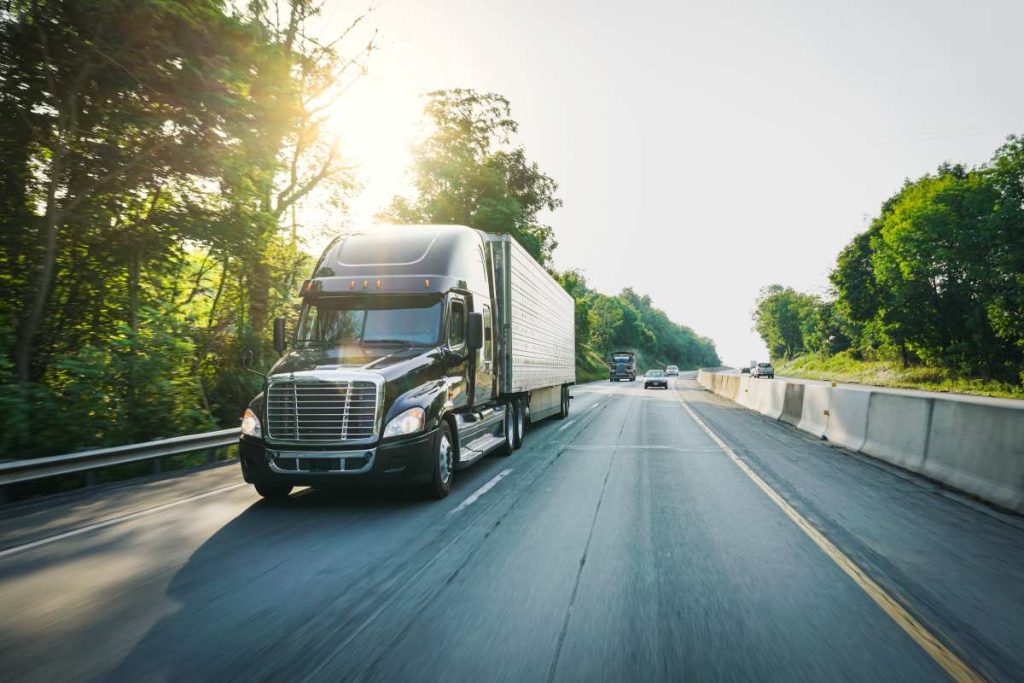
column 936, row 279
column 469, row 172
column 150, row 153
column 630, row 321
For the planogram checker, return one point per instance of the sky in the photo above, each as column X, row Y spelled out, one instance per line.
column 703, row 150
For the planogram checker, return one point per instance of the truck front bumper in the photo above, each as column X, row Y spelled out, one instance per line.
column 409, row 460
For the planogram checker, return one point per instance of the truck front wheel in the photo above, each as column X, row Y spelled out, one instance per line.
column 444, row 464
column 274, row 491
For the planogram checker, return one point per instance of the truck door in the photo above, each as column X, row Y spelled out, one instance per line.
column 485, row 361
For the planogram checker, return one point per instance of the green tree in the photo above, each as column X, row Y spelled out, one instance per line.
column 469, row 172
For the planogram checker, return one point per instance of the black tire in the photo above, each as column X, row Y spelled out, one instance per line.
column 563, row 408
column 440, row 484
column 274, row 491
column 520, row 419
column 508, row 426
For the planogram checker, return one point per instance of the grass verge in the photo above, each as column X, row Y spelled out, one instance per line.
column 842, row 367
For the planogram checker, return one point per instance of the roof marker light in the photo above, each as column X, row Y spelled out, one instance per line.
column 352, row 285
column 426, row 283
column 378, row 284
column 366, row 283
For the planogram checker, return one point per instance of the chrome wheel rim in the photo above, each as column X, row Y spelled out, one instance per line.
column 444, row 459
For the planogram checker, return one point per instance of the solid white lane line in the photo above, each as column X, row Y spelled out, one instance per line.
column 114, row 520
column 475, row 496
column 957, row 669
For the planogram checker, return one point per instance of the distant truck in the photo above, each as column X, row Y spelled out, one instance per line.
column 419, row 350
column 622, row 366
column 759, row 370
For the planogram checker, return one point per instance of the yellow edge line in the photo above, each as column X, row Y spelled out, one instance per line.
column 943, row 656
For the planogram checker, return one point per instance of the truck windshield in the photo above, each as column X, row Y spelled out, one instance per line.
column 342, row 321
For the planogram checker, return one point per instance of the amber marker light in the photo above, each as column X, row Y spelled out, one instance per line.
column 378, row 284
column 426, row 283
column 352, row 285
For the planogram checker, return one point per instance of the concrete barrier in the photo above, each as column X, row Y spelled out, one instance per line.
column 978, row 449
column 792, row 403
column 898, row 428
column 771, row 397
column 814, row 413
column 848, row 417
column 972, row 444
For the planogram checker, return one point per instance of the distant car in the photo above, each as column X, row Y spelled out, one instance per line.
column 655, row 378
column 672, row 371
column 763, row 370
column 744, row 371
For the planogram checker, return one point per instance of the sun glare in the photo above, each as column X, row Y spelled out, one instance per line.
column 377, row 123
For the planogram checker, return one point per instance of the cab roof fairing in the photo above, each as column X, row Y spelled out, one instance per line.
column 402, row 259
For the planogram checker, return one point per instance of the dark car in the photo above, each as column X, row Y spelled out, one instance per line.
column 655, row 378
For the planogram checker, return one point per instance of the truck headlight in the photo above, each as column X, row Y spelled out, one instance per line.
column 251, row 424
column 407, row 422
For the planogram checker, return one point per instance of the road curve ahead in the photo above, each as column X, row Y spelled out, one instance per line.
column 653, row 535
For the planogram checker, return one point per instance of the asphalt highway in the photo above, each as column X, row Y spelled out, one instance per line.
column 652, row 535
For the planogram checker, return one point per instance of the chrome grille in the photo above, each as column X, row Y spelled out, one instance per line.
column 321, row 411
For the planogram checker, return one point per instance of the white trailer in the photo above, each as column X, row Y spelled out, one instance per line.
column 537, row 334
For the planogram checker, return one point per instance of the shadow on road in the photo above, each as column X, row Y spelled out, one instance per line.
column 276, row 588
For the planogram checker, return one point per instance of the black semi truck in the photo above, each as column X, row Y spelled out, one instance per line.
column 622, row 366
column 418, row 350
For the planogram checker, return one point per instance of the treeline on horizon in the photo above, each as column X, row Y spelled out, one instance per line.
column 936, row 280
column 153, row 160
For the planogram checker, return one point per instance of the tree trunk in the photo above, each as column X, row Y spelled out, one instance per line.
column 32, row 318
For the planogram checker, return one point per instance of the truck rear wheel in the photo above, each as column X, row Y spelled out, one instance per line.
column 519, row 412
column 508, row 426
column 563, row 411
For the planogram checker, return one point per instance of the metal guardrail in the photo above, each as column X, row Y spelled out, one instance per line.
column 18, row 471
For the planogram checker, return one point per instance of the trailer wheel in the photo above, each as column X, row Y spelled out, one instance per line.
column 563, row 411
column 519, row 413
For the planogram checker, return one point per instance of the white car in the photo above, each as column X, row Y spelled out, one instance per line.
column 655, row 378
column 672, row 371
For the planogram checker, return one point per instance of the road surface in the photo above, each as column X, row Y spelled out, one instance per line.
column 653, row 535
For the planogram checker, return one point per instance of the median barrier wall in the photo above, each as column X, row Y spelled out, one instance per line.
column 968, row 444
column 770, row 397
column 978, row 449
column 898, row 429
column 814, row 413
column 848, row 417
column 792, row 403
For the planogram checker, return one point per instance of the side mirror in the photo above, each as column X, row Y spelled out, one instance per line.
column 475, row 333
column 279, row 335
